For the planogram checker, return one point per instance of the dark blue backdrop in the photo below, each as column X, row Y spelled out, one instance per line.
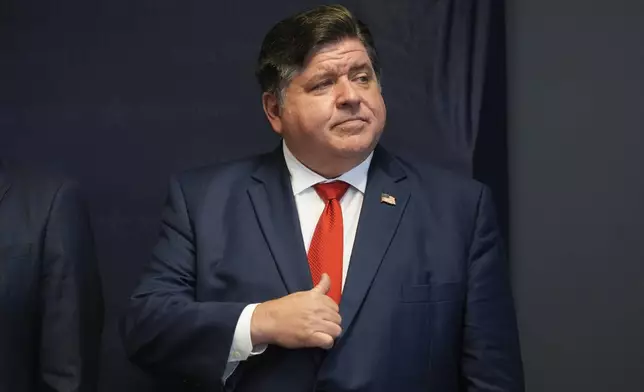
column 121, row 93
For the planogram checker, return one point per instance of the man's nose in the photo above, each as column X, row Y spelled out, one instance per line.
column 347, row 94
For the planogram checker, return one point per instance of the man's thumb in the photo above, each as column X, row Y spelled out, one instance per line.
column 324, row 285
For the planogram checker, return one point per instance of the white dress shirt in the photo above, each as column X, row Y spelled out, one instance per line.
column 309, row 208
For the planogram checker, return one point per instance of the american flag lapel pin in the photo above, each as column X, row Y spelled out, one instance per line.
column 387, row 199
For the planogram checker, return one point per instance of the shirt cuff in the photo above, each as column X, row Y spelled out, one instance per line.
column 242, row 346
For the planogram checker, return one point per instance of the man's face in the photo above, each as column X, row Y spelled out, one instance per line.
column 333, row 109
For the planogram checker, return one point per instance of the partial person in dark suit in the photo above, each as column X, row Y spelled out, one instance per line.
column 51, row 308
column 328, row 264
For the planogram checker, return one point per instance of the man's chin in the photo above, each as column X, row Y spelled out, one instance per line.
column 350, row 128
column 358, row 147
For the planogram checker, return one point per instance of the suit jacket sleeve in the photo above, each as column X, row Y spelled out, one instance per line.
column 72, row 305
column 167, row 330
column 491, row 358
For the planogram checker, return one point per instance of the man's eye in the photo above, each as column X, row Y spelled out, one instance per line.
column 363, row 79
column 321, row 85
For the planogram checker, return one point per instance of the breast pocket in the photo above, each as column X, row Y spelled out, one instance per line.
column 430, row 293
column 16, row 264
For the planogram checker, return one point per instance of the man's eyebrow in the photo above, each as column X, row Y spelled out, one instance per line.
column 360, row 67
column 332, row 70
column 327, row 71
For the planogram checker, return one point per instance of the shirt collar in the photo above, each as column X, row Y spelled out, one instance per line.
column 303, row 178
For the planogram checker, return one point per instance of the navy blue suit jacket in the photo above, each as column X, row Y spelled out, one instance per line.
column 51, row 303
column 426, row 305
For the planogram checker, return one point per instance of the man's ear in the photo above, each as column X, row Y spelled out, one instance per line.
column 273, row 111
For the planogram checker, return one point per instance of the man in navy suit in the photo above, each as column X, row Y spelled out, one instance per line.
column 328, row 264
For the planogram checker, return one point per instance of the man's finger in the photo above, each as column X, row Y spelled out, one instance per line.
column 329, row 303
column 321, row 340
column 329, row 328
column 324, row 285
column 330, row 315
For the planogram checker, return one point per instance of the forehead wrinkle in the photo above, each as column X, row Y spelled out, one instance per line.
column 325, row 68
column 326, row 56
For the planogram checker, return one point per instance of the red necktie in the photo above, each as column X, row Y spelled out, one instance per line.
column 325, row 251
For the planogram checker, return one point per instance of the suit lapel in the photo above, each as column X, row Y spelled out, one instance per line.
column 4, row 181
column 376, row 228
column 274, row 204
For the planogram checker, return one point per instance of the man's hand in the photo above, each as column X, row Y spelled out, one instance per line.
column 303, row 319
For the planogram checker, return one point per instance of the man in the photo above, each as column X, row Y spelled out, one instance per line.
column 328, row 264
column 51, row 309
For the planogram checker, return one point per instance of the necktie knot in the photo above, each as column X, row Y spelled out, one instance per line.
column 331, row 190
